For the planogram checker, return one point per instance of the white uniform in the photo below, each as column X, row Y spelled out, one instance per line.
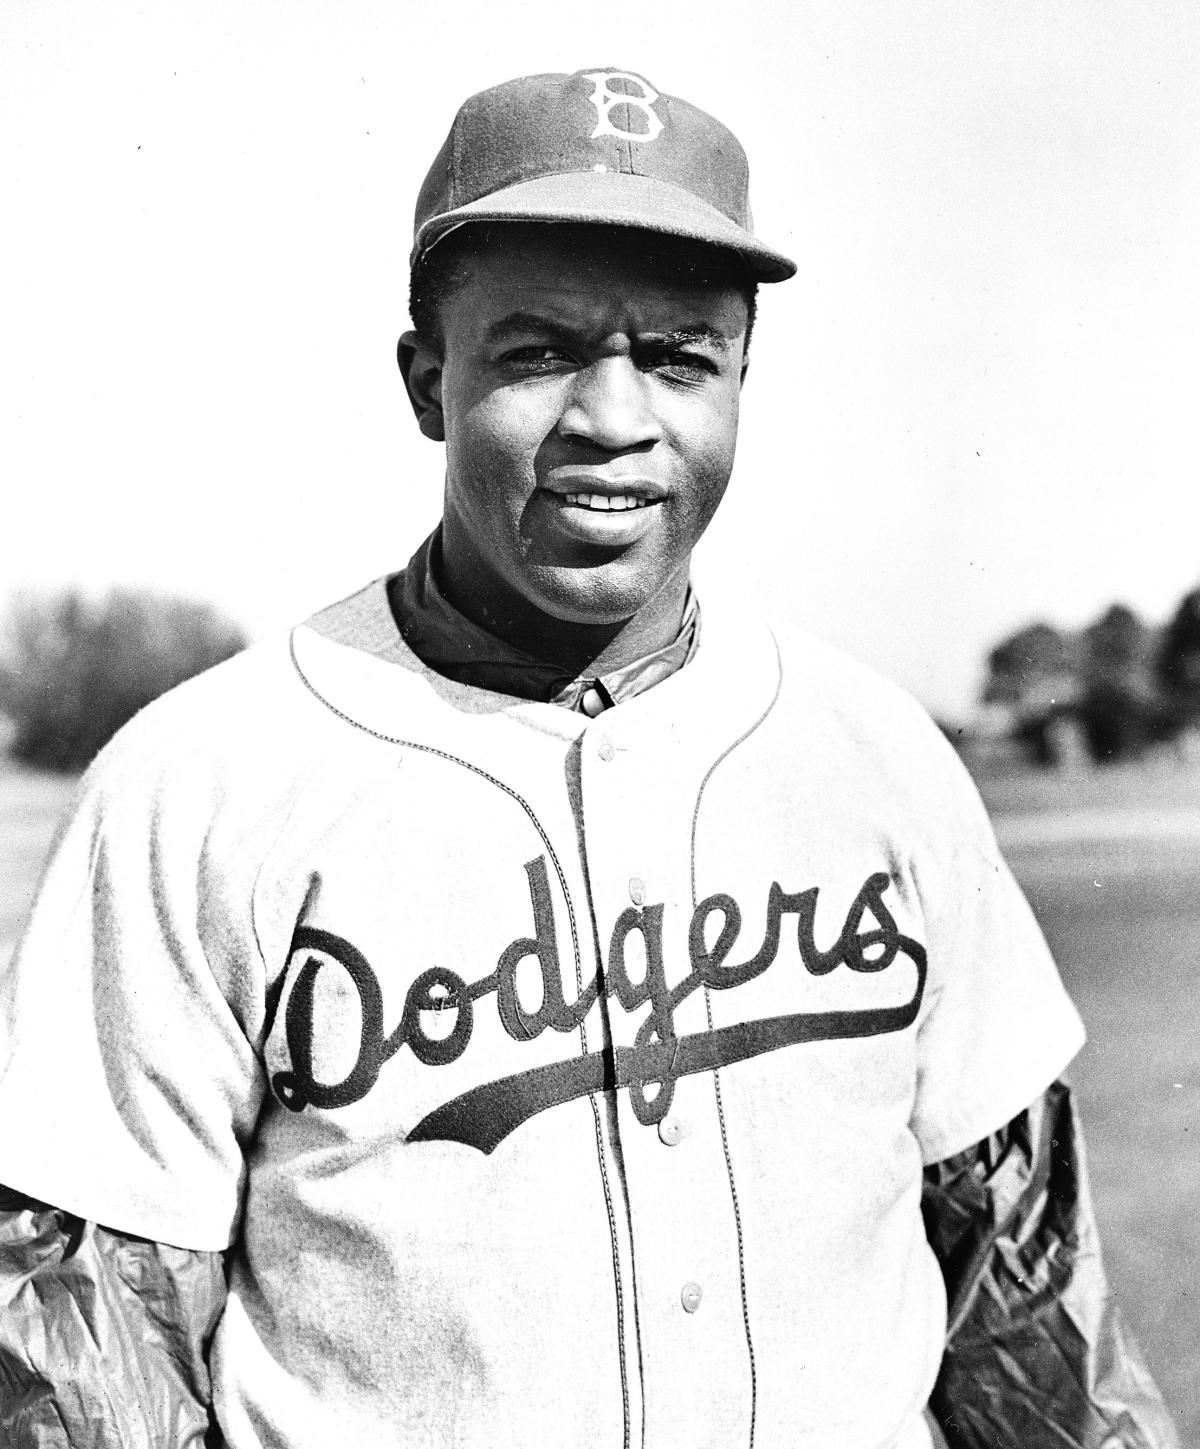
column 557, row 1081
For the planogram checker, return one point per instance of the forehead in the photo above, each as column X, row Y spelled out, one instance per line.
column 589, row 274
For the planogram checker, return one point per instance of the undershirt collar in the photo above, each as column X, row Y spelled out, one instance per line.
column 459, row 649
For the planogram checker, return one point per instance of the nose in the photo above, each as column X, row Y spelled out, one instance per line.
column 610, row 405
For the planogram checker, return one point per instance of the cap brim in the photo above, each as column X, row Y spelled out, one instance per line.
column 613, row 198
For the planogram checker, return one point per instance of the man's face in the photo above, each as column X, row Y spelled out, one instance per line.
column 588, row 397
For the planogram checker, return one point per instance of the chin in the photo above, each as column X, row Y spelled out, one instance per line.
column 596, row 595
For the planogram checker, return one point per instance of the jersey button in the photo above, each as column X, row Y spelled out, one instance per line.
column 606, row 750
column 690, row 1297
column 671, row 1131
column 637, row 890
column 591, row 703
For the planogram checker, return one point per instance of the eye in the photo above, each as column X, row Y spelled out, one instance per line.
column 679, row 364
column 537, row 358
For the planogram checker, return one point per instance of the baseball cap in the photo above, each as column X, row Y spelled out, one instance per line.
column 600, row 146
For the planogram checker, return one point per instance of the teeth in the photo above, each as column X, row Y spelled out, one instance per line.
column 601, row 503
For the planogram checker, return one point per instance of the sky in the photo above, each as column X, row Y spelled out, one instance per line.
column 974, row 406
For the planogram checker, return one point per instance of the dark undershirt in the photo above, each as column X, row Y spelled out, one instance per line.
column 452, row 645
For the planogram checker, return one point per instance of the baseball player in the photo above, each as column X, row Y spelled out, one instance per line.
column 531, row 1004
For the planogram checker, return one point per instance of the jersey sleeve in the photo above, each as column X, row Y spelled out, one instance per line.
column 129, row 1079
column 996, row 1026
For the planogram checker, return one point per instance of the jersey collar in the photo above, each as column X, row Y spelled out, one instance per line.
column 458, row 649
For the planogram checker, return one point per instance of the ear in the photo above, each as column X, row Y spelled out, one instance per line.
column 421, row 369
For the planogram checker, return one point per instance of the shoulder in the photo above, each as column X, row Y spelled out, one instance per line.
column 247, row 727
column 231, row 713
column 869, row 740
column 850, row 696
column 817, row 685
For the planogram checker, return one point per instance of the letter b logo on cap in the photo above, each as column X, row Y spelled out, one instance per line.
column 604, row 98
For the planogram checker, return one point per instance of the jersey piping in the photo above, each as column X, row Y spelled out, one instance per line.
column 737, row 1214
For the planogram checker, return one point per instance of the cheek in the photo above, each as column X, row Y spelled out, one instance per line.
column 495, row 439
column 706, row 443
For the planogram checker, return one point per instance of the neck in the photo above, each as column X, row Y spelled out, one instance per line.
column 577, row 646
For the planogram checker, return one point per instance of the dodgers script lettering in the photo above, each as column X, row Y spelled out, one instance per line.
column 868, row 943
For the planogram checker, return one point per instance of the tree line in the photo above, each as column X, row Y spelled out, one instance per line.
column 74, row 669
column 1120, row 683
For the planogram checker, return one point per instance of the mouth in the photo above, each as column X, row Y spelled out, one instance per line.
column 610, row 512
column 606, row 502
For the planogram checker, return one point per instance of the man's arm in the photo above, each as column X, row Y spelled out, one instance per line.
column 103, row 1336
column 1036, row 1355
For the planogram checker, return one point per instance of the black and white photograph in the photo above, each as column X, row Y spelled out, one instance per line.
column 599, row 725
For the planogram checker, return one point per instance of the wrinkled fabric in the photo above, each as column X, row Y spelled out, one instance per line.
column 1037, row 1356
column 103, row 1337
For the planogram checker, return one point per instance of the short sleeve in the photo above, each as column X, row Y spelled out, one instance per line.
column 997, row 1026
column 129, row 1083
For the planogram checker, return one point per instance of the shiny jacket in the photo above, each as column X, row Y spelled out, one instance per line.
column 104, row 1336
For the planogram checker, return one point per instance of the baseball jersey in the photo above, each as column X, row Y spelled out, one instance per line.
column 552, row 1080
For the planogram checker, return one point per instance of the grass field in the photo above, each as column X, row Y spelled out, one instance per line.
column 1111, row 864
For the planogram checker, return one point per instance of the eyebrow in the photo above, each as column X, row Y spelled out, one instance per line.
column 516, row 323
column 695, row 332
column 521, row 322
